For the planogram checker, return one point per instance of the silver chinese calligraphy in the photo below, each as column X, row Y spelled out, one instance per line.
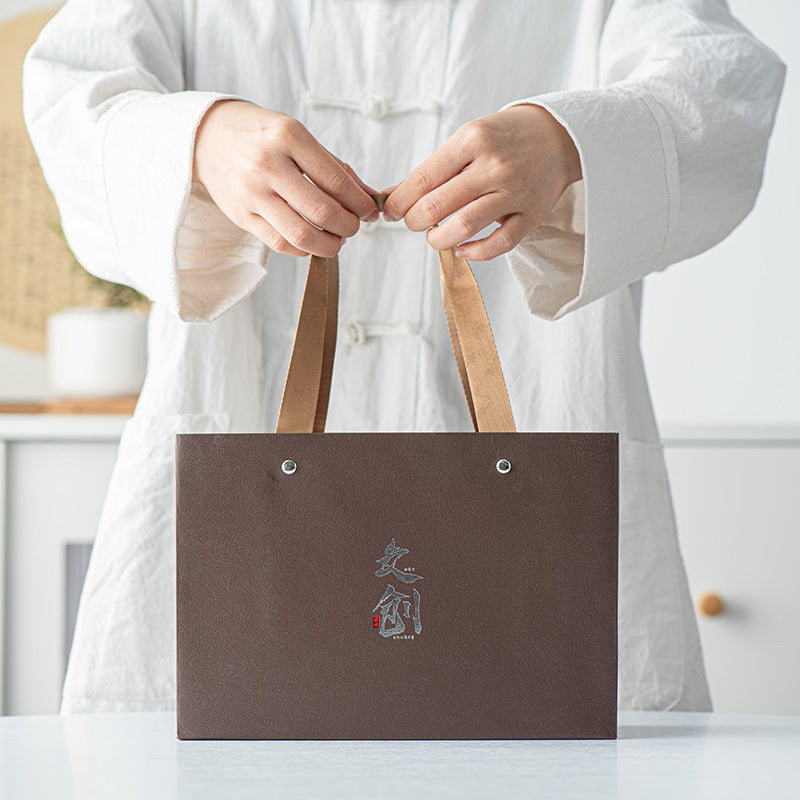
column 389, row 561
column 394, row 605
column 389, row 611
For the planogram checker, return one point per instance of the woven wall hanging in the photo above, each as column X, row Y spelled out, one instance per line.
column 38, row 274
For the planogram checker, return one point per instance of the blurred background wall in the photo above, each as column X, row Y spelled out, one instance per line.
column 721, row 332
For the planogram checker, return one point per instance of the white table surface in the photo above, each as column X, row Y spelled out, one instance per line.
column 658, row 755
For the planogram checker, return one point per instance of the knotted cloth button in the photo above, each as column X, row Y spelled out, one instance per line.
column 503, row 466
column 288, row 466
column 374, row 106
column 355, row 332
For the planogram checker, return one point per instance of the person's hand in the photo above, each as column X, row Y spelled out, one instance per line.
column 509, row 167
column 271, row 177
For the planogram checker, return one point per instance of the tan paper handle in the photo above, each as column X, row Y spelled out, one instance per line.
column 304, row 405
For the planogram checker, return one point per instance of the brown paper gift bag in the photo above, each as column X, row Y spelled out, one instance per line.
column 396, row 585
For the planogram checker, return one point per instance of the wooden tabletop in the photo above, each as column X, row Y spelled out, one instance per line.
column 72, row 405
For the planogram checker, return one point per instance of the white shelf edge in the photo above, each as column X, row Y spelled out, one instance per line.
column 729, row 433
column 108, row 427
column 62, row 427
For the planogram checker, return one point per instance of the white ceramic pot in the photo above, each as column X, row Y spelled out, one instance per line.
column 96, row 352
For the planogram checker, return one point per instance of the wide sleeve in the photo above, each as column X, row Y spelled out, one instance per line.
column 113, row 125
column 672, row 143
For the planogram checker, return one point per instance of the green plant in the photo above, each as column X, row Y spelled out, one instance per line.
column 117, row 295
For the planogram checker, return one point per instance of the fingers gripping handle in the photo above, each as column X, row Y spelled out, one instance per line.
column 304, row 404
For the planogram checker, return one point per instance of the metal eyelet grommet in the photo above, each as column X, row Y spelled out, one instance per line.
column 288, row 466
column 503, row 466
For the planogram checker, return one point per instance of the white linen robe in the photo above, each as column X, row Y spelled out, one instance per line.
column 670, row 103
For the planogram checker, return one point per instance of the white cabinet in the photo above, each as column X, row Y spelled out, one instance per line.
column 56, row 469
column 736, row 495
column 736, row 498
